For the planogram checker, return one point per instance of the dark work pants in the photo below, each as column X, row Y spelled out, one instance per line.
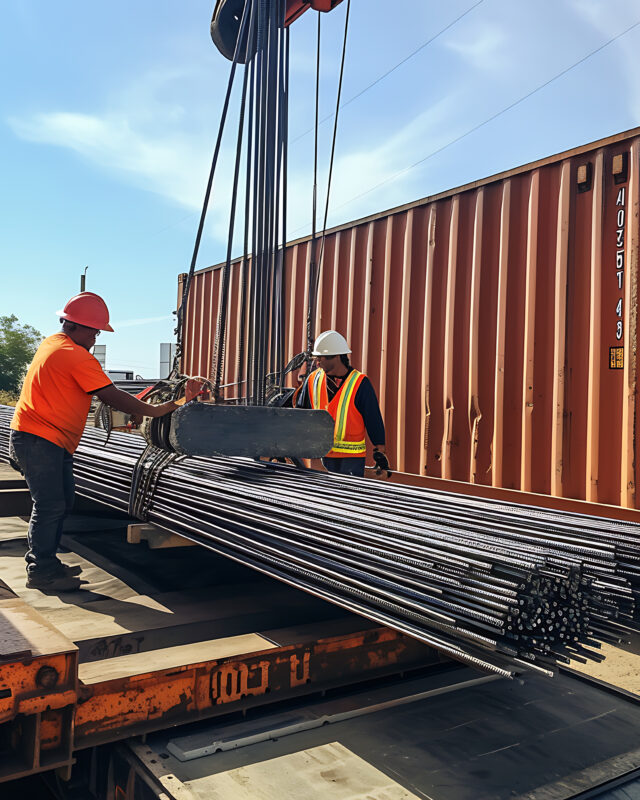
column 345, row 466
column 48, row 470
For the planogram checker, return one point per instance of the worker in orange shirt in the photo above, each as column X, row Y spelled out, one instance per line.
column 47, row 425
column 349, row 396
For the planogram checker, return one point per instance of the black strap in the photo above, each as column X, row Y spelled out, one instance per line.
column 144, row 480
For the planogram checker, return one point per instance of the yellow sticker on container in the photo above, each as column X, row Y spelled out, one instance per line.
column 616, row 358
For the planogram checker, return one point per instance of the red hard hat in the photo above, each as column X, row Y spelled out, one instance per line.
column 87, row 309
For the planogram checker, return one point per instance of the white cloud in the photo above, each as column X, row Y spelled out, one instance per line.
column 149, row 140
column 168, row 164
column 482, row 44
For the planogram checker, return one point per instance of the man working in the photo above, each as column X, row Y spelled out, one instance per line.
column 350, row 398
column 47, row 425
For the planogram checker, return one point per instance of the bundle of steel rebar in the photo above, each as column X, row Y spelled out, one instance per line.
column 501, row 586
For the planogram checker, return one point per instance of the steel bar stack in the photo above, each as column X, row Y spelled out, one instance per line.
column 500, row 586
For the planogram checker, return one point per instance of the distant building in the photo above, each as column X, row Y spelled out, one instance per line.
column 120, row 374
column 100, row 352
column 167, row 354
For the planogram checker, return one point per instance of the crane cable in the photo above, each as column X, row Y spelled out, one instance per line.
column 261, row 323
column 219, row 341
column 179, row 330
column 315, row 265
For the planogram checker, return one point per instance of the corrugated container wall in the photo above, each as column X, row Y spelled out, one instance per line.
column 498, row 323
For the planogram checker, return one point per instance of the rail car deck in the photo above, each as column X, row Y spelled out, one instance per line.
column 165, row 638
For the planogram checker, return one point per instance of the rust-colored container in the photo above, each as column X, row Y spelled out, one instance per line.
column 498, row 323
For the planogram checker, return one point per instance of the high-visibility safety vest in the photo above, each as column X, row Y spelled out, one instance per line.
column 348, row 436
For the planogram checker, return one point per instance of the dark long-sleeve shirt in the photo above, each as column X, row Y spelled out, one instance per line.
column 366, row 402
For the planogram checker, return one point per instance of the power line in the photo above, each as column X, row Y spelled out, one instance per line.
column 489, row 119
column 380, row 78
column 393, row 69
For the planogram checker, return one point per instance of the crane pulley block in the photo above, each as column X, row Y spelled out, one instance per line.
column 227, row 20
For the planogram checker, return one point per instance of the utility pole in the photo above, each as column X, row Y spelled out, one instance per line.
column 83, row 279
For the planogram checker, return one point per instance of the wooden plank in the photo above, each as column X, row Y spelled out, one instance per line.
column 12, row 483
column 12, row 528
column 23, row 629
column 172, row 658
column 7, row 472
column 155, row 537
column 108, row 618
column 15, row 502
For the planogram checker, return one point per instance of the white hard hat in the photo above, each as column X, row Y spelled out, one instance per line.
column 330, row 343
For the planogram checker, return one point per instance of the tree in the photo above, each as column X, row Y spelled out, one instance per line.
column 18, row 344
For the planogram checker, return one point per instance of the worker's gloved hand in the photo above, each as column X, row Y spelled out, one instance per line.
column 382, row 462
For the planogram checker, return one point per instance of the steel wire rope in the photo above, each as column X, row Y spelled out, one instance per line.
column 334, row 138
column 275, row 375
column 217, row 358
column 241, row 367
column 285, row 201
column 275, row 326
column 316, row 259
column 205, row 205
column 359, row 93
column 270, row 194
column 313, row 266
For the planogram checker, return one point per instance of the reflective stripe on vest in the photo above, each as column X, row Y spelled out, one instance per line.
column 348, row 420
column 317, row 385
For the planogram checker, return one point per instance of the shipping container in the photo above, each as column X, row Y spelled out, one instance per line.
column 498, row 322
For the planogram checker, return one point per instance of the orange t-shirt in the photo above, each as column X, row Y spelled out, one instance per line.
column 56, row 394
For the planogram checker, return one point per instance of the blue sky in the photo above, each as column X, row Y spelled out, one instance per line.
column 108, row 115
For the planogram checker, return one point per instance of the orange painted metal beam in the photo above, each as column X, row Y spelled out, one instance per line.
column 109, row 710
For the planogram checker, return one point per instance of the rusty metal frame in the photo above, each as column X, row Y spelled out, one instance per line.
column 111, row 710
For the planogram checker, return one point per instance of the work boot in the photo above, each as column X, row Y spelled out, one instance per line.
column 67, row 569
column 60, row 569
column 52, row 582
